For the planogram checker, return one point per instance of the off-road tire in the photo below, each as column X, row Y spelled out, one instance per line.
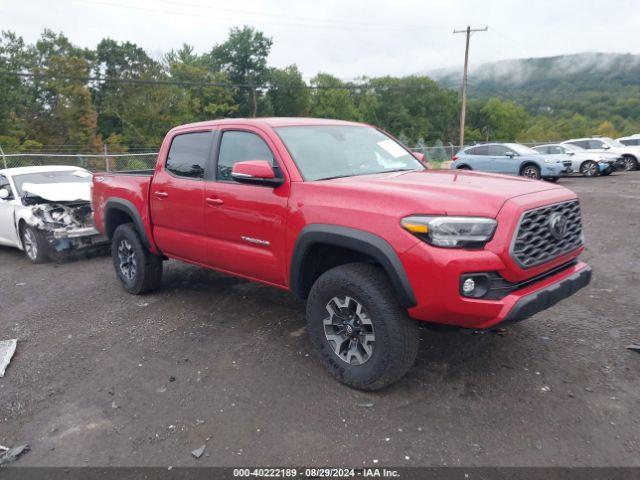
column 396, row 335
column 148, row 267
column 35, row 244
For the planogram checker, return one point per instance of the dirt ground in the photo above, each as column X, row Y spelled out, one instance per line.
column 101, row 377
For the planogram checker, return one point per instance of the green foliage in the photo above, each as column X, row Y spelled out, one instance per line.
column 288, row 95
column 541, row 100
column 243, row 58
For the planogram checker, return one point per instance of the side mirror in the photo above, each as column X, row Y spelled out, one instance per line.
column 255, row 172
column 419, row 156
column 4, row 193
column 510, row 154
column 606, row 147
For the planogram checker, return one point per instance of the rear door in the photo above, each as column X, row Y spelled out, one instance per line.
column 245, row 224
column 177, row 196
column 8, row 234
column 478, row 159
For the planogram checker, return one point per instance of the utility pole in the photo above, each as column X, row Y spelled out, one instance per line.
column 4, row 159
column 463, row 112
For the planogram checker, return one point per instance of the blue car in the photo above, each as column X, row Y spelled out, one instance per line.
column 511, row 159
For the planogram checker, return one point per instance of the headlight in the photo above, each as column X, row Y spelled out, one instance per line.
column 451, row 232
column 548, row 160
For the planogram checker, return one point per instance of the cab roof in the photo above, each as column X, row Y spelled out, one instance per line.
column 272, row 122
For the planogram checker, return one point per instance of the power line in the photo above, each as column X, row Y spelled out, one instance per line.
column 298, row 24
column 139, row 81
column 331, row 22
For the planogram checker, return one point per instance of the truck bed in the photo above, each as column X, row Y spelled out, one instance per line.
column 129, row 188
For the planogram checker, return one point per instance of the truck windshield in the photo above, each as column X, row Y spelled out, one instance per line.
column 60, row 176
column 322, row 152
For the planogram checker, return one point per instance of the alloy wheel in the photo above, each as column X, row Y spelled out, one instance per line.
column 629, row 164
column 590, row 169
column 531, row 172
column 30, row 244
column 349, row 330
column 127, row 258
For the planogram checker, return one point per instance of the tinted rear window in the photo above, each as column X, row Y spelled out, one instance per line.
column 189, row 154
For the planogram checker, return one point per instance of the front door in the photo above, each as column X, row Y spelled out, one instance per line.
column 245, row 224
column 8, row 234
column 504, row 160
column 177, row 197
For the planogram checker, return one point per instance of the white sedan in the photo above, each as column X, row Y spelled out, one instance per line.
column 46, row 211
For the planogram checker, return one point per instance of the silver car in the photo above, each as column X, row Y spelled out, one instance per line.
column 588, row 163
column 630, row 154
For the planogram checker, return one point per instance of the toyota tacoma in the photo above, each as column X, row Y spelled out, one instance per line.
column 346, row 217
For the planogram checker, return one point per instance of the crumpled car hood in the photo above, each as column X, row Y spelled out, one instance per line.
column 60, row 192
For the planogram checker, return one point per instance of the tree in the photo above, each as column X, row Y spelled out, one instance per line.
column 332, row 98
column 287, row 94
column 197, row 103
column 501, row 120
column 606, row 129
column 243, row 57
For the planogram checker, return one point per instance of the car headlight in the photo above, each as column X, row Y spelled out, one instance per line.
column 548, row 160
column 451, row 232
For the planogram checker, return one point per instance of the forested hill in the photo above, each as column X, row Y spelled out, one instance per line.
column 575, row 83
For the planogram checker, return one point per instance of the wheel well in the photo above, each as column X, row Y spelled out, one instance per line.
column 322, row 257
column 113, row 219
column 525, row 165
column 464, row 166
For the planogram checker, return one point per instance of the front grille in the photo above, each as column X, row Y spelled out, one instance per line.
column 535, row 242
column 566, row 163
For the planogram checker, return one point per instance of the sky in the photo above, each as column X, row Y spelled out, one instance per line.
column 348, row 38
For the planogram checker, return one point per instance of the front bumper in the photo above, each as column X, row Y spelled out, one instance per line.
column 547, row 297
column 70, row 238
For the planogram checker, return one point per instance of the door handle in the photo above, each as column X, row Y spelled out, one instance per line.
column 161, row 194
column 214, row 201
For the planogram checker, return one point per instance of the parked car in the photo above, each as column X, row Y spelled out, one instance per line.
column 46, row 211
column 630, row 154
column 347, row 218
column 588, row 163
column 630, row 141
column 512, row 159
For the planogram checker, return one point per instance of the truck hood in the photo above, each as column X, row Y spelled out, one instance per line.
column 451, row 192
column 60, row 192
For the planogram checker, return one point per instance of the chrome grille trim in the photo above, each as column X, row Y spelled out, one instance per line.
column 533, row 244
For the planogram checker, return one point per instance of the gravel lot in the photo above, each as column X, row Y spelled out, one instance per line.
column 101, row 377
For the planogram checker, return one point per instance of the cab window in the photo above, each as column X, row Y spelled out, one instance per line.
column 238, row 146
column 189, row 154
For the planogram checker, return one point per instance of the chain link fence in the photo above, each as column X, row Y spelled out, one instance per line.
column 92, row 162
column 438, row 156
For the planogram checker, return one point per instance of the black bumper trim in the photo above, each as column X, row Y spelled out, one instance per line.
column 549, row 296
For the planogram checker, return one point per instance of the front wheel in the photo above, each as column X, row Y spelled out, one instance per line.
column 531, row 171
column 35, row 245
column 589, row 168
column 630, row 163
column 362, row 335
column 138, row 269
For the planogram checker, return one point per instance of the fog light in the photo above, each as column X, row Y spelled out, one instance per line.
column 468, row 286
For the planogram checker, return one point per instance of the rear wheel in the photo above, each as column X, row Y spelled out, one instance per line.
column 630, row 163
column 35, row 245
column 138, row 269
column 362, row 335
column 531, row 171
column 589, row 168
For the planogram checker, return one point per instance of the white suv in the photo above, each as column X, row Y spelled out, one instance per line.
column 631, row 154
column 630, row 141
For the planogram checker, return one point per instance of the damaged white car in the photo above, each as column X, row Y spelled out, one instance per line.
column 46, row 211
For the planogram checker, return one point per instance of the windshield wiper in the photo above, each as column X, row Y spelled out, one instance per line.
column 368, row 173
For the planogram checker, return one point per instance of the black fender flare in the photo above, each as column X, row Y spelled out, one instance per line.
column 358, row 240
column 130, row 209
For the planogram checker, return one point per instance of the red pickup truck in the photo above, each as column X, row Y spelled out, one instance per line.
column 343, row 215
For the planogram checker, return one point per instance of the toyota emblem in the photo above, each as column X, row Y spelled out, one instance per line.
column 558, row 225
